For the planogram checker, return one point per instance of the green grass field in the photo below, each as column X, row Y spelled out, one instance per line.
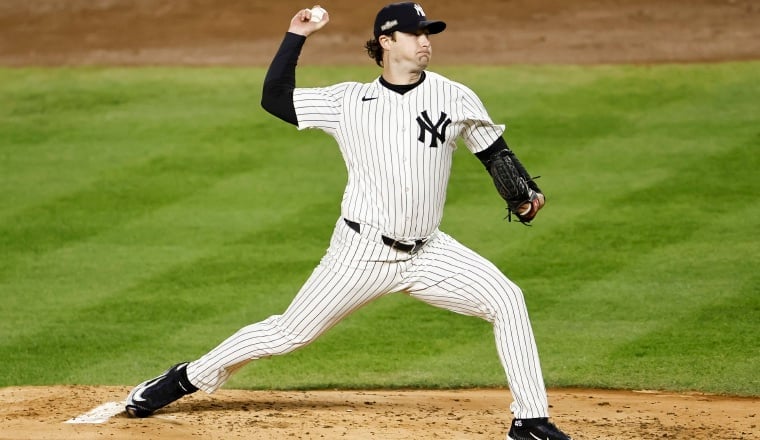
column 146, row 214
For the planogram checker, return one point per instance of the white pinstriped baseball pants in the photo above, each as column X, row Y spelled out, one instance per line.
column 359, row 268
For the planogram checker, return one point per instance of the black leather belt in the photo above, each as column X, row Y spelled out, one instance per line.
column 411, row 248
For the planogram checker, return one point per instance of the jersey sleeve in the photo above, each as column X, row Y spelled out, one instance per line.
column 479, row 131
column 320, row 107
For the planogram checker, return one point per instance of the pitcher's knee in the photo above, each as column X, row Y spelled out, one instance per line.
column 284, row 338
column 507, row 301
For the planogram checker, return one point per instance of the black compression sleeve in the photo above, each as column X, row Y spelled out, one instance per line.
column 280, row 81
column 498, row 145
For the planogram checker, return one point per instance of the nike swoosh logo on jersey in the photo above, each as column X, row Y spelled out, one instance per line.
column 365, row 99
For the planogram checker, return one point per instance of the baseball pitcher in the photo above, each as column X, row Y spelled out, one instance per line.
column 397, row 135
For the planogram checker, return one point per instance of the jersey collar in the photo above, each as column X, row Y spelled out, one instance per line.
column 402, row 88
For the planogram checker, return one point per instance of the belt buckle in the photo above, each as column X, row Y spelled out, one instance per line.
column 401, row 246
column 416, row 246
column 408, row 247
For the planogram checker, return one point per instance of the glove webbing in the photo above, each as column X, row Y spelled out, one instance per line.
column 509, row 182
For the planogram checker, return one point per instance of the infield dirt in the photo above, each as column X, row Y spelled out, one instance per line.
column 239, row 32
column 41, row 412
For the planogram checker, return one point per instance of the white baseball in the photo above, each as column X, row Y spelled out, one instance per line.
column 317, row 13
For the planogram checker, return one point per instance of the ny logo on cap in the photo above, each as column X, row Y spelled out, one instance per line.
column 420, row 12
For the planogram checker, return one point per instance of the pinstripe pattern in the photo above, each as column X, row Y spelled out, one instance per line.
column 396, row 182
column 398, row 171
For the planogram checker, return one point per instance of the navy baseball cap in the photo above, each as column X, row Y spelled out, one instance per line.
column 405, row 17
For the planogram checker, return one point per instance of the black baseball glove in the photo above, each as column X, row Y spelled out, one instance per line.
column 523, row 197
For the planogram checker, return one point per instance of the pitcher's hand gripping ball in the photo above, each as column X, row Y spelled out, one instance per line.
column 317, row 13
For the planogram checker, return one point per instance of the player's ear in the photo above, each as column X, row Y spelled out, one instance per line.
column 385, row 41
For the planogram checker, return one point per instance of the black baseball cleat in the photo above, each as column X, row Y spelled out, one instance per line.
column 156, row 393
column 535, row 429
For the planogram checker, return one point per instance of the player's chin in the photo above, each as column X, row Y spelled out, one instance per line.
column 423, row 60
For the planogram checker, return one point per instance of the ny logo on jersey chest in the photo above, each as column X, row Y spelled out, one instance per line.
column 437, row 131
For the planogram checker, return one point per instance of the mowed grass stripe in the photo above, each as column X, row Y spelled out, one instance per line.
column 65, row 128
column 654, row 313
column 82, row 272
column 727, row 350
column 710, row 153
column 87, row 115
column 649, row 274
column 164, row 236
column 111, row 201
column 667, row 212
column 147, row 314
column 608, row 280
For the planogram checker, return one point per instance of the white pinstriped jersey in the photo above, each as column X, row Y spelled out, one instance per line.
column 397, row 148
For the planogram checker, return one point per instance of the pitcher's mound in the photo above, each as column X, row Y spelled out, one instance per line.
column 44, row 413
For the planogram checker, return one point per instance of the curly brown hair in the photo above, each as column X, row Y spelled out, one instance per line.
column 375, row 51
